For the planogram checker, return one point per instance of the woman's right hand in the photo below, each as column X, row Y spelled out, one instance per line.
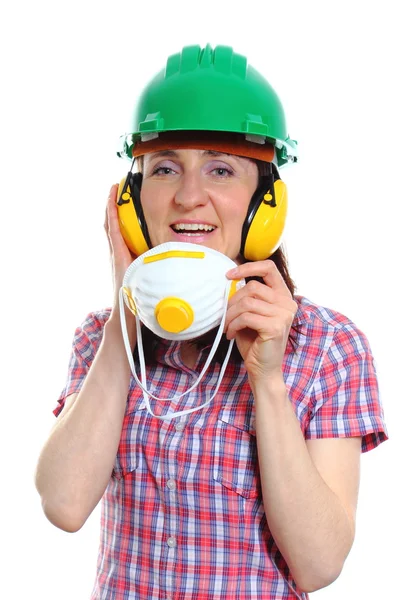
column 121, row 257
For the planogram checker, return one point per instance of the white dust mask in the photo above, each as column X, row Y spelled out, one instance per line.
column 179, row 291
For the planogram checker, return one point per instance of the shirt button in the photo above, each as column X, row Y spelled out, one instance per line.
column 179, row 425
column 172, row 542
column 171, row 484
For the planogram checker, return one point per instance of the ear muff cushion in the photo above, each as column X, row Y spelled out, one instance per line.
column 130, row 222
column 266, row 226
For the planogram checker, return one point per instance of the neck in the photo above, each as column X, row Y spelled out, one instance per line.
column 189, row 354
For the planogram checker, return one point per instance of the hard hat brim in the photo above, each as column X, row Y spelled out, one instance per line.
column 229, row 143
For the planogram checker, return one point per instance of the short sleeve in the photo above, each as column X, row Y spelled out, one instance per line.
column 345, row 400
column 87, row 339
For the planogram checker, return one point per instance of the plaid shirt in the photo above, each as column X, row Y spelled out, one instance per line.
column 182, row 516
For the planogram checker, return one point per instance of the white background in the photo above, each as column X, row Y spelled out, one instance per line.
column 71, row 71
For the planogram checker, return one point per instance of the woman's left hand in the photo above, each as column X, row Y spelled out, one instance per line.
column 260, row 316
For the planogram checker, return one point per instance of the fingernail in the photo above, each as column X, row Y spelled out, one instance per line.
column 232, row 272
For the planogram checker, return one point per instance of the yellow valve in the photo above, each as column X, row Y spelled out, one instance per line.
column 174, row 315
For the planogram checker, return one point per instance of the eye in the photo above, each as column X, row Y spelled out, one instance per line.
column 223, row 172
column 162, row 168
column 162, row 171
column 220, row 170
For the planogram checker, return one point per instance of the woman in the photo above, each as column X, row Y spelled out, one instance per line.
column 214, row 504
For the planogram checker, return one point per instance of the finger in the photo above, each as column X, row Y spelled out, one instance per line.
column 112, row 212
column 256, row 323
column 106, row 220
column 265, row 327
column 250, row 305
column 116, row 239
column 266, row 269
column 257, row 290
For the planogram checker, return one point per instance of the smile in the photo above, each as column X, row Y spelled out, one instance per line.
column 192, row 228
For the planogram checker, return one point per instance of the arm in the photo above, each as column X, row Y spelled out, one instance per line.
column 309, row 489
column 76, row 461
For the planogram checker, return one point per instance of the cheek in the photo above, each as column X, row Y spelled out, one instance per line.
column 234, row 219
column 152, row 205
column 235, row 213
column 153, row 219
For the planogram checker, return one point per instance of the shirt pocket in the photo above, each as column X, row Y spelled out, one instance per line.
column 235, row 464
column 127, row 457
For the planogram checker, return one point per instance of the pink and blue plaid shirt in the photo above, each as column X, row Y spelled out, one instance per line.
column 182, row 516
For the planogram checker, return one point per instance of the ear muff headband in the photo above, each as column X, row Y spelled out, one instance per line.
column 265, row 220
column 131, row 220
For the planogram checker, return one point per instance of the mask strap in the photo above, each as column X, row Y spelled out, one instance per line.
column 206, row 364
column 142, row 384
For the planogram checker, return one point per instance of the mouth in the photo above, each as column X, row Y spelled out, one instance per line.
column 192, row 229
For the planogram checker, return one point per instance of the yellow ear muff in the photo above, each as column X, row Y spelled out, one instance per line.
column 265, row 231
column 129, row 223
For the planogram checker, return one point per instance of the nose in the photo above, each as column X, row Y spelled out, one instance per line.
column 191, row 192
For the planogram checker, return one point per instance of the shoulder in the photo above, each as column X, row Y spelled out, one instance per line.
column 310, row 312
column 94, row 321
column 325, row 326
column 89, row 333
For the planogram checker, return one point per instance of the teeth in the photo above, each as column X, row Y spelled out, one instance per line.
column 192, row 227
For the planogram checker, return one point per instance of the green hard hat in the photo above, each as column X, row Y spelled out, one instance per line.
column 206, row 89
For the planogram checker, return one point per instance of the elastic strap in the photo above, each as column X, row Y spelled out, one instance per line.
column 143, row 385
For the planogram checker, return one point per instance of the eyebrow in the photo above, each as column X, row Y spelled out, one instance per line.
column 176, row 155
